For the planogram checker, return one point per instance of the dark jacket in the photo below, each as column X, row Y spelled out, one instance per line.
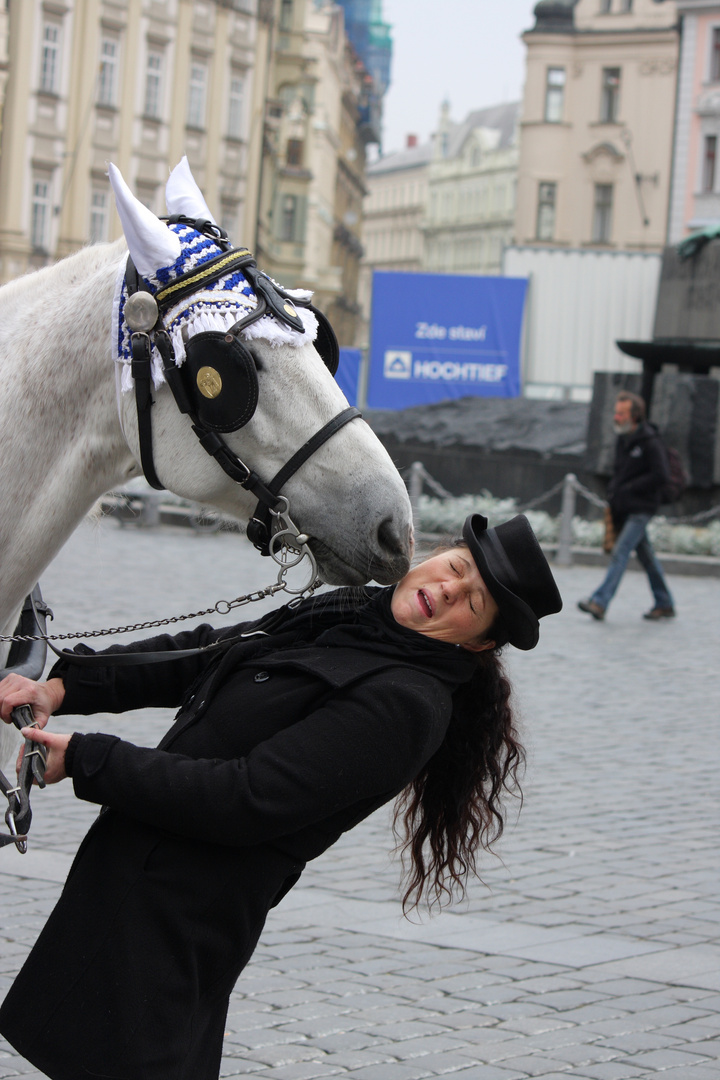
column 264, row 767
column 640, row 473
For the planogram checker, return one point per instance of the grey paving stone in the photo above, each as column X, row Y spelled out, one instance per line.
column 611, row 1070
column 401, row 1070
column 597, row 930
column 533, row 1065
column 661, row 1060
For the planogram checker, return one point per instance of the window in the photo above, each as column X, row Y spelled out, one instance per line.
column 107, row 79
column 147, row 194
column 294, row 152
column 50, row 63
column 228, row 217
column 602, row 217
column 40, row 220
column 610, row 95
column 286, row 14
column 715, row 56
column 605, row 7
column 709, row 158
column 547, row 193
column 235, row 107
column 626, row 6
column 288, row 217
column 153, row 85
column 98, row 217
column 554, row 95
column 197, row 95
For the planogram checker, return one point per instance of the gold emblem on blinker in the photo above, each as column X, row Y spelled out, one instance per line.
column 209, row 382
column 289, row 308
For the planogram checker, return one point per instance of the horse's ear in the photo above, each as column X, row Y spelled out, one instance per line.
column 183, row 196
column 152, row 245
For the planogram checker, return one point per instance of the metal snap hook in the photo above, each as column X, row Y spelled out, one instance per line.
column 284, row 545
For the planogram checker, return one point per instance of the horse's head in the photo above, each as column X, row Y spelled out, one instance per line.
column 223, row 353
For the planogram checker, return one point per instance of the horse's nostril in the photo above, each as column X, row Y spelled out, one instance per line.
column 392, row 539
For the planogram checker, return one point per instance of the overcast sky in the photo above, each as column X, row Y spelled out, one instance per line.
column 468, row 51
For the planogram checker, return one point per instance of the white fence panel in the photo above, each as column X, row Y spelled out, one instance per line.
column 579, row 304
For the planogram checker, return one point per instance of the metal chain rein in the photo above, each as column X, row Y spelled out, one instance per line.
column 288, row 541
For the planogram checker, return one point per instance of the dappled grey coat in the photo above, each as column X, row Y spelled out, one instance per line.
column 266, row 764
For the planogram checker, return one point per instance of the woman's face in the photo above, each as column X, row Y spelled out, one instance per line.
column 446, row 598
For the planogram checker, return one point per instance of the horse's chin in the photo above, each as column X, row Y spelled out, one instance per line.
column 335, row 570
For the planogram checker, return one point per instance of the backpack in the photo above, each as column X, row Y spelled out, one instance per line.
column 679, row 479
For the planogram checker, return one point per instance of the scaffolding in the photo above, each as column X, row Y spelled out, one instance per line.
column 370, row 37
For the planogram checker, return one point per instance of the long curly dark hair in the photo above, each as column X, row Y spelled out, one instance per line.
column 453, row 808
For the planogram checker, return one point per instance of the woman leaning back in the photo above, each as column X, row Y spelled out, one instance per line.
column 289, row 733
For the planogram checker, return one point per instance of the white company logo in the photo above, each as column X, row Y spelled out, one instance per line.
column 398, row 365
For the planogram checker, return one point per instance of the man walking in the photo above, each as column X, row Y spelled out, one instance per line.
column 640, row 475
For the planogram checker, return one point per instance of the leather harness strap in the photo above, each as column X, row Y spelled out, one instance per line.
column 258, row 528
column 271, row 300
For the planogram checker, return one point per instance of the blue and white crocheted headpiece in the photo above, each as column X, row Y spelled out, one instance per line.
column 162, row 253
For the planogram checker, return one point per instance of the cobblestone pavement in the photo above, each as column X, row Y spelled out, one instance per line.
column 592, row 949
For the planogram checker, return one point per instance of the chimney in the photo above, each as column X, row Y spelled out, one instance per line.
column 412, row 140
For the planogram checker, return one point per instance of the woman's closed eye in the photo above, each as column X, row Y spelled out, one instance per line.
column 458, row 570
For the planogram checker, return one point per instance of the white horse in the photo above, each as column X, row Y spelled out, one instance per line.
column 69, row 429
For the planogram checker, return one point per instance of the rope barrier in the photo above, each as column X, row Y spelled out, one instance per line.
column 419, row 474
column 570, row 487
column 534, row 503
column 588, row 494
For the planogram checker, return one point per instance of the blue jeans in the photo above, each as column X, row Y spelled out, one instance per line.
column 633, row 538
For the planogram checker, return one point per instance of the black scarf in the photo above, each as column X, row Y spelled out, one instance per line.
column 357, row 618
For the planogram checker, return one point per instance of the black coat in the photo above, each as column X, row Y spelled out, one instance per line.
column 640, row 473
column 266, row 764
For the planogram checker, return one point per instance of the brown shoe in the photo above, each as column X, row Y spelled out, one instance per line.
column 660, row 613
column 592, row 608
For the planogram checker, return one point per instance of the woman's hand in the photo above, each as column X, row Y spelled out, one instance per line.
column 56, row 746
column 45, row 697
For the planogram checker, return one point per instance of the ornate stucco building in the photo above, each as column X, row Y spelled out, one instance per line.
column 3, row 60
column 695, row 198
column 471, row 191
column 318, row 124
column 136, row 82
column 446, row 206
column 395, row 208
column 597, row 124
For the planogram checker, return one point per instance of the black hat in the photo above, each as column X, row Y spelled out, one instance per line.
column 516, row 572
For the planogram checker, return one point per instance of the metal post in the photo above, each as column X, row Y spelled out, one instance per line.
column 150, row 516
column 563, row 556
column 415, row 487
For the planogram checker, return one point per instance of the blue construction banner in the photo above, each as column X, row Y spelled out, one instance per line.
column 348, row 374
column 439, row 336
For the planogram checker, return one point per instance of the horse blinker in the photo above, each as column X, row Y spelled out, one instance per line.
column 221, row 380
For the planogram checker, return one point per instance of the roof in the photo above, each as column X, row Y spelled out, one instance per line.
column 412, row 157
column 502, row 118
column 554, row 15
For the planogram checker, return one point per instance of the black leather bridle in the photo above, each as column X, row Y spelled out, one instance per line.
column 145, row 321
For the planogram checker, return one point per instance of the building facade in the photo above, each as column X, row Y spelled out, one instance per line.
column 597, row 125
column 313, row 169
column 395, row 207
column 3, row 60
column 136, row 82
column 695, row 198
column 471, row 191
